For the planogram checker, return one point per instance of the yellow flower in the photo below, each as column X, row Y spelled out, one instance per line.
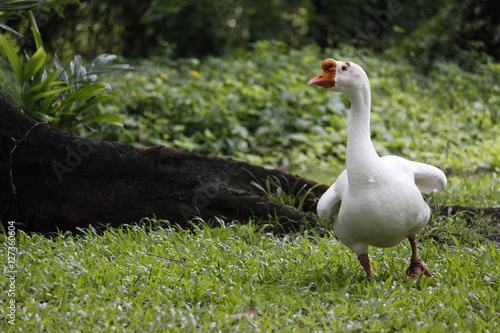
column 142, row 78
column 164, row 76
column 194, row 73
column 133, row 93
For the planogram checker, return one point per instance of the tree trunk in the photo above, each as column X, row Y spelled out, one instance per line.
column 51, row 179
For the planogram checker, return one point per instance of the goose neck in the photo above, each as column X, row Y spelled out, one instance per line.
column 360, row 150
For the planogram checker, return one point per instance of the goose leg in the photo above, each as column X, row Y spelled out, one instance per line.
column 417, row 266
column 365, row 262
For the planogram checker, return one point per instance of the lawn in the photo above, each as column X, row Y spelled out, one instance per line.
column 156, row 278
column 242, row 276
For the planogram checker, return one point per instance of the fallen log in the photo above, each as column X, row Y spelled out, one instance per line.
column 52, row 179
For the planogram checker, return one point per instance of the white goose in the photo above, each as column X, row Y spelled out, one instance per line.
column 377, row 200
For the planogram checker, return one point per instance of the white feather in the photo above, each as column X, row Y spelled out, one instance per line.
column 375, row 201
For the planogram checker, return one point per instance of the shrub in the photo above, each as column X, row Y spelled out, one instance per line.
column 64, row 96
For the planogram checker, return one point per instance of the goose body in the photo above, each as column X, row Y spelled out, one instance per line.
column 377, row 200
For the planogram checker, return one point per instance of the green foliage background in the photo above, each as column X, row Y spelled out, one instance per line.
column 193, row 28
column 258, row 108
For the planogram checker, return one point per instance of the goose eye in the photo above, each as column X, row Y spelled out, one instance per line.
column 344, row 68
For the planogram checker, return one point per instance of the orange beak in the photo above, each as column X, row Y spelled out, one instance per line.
column 327, row 78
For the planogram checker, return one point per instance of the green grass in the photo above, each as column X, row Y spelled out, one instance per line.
column 478, row 189
column 156, row 278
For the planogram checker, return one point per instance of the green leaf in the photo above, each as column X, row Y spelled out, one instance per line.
column 101, row 61
column 103, row 118
column 41, row 116
column 85, row 92
column 49, row 93
column 9, row 82
column 77, row 69
column 20, row 5
column 62, row 70
column 101, row 65
column 73, row 108
column 6, row 27
column 36, row 32
column 36, row 62
column 48, row 106
column 46, row 84
column 14, row 60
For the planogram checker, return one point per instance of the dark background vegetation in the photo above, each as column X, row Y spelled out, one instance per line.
column 422, row 30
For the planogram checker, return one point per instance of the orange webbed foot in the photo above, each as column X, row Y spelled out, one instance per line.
column 417, row 267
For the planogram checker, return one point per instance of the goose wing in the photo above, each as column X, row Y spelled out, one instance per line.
column 329, row 203
column 427, row 177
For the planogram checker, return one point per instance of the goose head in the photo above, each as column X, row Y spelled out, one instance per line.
column 340, row 76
